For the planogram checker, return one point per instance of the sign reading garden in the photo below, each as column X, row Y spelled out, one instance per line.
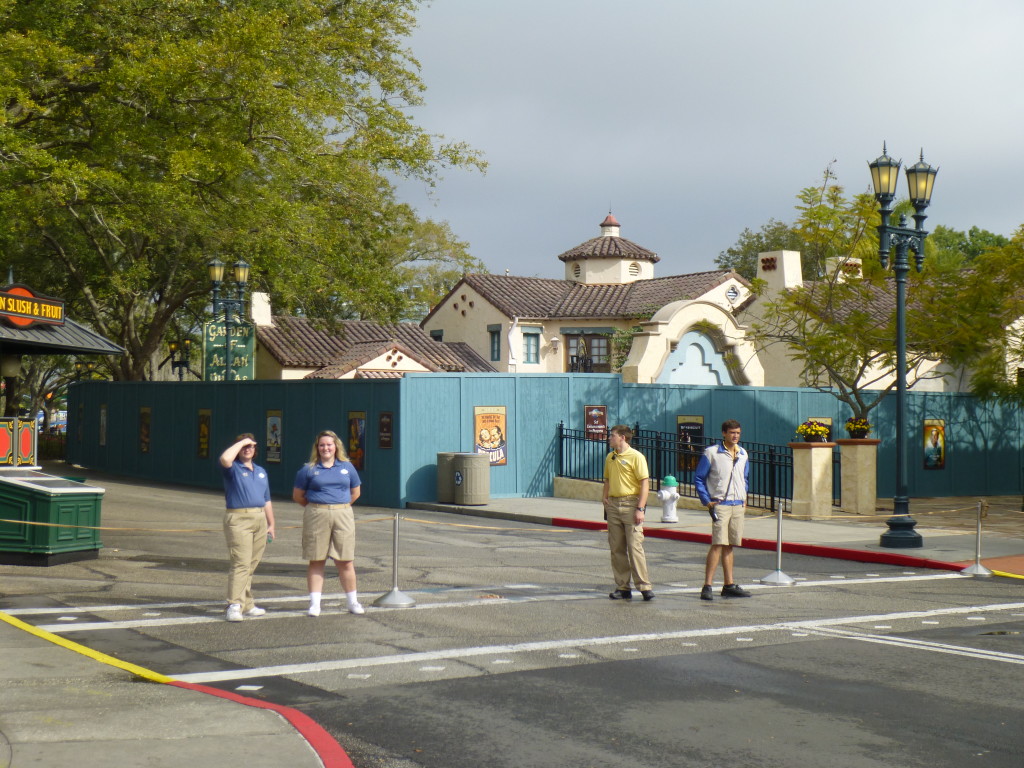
column 216, row 351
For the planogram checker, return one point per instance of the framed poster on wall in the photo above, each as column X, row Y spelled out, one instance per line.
column 145, row 424
column 385, row 430
column 490, row 431
column 273, row 454
column 690, row 431
column 203, row 446
column 933, row 433
column 356, row 438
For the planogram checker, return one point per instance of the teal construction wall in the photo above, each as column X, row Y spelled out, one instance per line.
column 434, row 412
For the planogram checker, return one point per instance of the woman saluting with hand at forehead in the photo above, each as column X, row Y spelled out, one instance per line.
column 327, row 487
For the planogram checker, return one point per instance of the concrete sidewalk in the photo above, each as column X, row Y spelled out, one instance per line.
column 948, row 527
column 63, row 707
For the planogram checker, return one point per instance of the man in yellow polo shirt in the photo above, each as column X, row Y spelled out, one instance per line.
column 626, row 483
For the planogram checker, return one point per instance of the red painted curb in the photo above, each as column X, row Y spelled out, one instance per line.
column 327, row 749
column 814, row 550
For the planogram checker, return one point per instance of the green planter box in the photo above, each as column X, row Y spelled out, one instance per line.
column 47, row 520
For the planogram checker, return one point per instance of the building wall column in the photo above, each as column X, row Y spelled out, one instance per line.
column 812, row 479
column 859, row 472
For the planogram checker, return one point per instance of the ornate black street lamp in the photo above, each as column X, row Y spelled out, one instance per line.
column 84, row 368
column 180, row 356
column 920, row 178
column 230, row 305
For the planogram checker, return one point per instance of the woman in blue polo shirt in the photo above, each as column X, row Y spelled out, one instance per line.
column 327, row 487
column 248, row 522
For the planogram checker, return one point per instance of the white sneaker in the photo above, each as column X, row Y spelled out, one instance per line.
column 356, row 608
column 234, row 612
column 314, row 610
column 256, row 611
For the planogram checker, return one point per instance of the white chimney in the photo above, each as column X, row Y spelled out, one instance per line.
column 261, row 309
column 780, row 270
column 609, row 227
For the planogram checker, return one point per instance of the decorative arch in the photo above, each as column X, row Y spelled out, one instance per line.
column 695, row 360
column 693, row 342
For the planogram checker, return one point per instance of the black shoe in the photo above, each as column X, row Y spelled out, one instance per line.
column 706, row 593
column 647, row 593
column 621, row 594
column 734, row 590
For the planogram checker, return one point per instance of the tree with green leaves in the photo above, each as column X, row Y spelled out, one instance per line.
column 141, row 138
column 741, row 258
column 834, row 227
column 430, row 261
column 962, row 248
column 840, row 330
column 828, row 226
column 992, row 299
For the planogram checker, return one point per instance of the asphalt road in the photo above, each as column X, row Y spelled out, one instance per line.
column 514, row 656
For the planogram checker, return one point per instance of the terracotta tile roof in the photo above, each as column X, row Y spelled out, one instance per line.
column 295, row 342
column 660, row 291
column 379, row 374
column 469, row 357
column 610, row 247
column 880, row 300
column 363, row 352
column 542, row 298
column 519, row 296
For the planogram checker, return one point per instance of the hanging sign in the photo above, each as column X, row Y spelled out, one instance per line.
column 22, row 307
column 215, row 351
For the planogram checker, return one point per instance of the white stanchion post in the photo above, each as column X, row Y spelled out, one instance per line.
column 777, row 577
column 978, row 569
column 395, row 598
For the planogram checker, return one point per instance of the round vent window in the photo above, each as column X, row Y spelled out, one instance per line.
column 733, row 293
column 577, row 270
column 634, row 269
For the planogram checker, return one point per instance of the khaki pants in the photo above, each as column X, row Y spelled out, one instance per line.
column 246, row 534
column 626, row 542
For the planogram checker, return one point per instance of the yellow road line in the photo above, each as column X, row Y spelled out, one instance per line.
column 103, row 658
column 1008, row 575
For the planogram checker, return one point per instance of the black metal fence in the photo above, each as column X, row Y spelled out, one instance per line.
column 581, row 456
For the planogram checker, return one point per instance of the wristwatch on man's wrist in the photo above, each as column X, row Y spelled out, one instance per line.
column 642, row 509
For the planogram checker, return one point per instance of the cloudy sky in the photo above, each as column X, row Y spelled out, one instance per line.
column 693, row 119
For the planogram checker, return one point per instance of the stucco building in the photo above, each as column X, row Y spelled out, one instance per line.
column 684, row 327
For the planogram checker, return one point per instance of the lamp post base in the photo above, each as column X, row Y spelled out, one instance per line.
column 901, row 534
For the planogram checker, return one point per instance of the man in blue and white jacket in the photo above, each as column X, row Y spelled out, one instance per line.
column 721, row 482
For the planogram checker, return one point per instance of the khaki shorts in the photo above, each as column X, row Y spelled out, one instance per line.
column 328, row 530
column 728, row 529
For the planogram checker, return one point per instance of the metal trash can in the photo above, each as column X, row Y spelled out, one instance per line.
column 445, row 481
column 471, row 475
